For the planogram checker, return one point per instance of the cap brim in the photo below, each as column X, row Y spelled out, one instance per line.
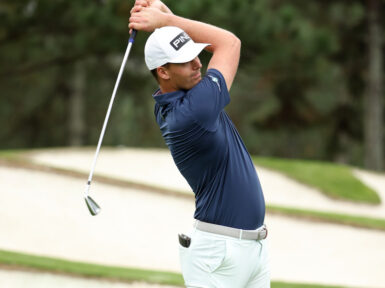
column 192, row 52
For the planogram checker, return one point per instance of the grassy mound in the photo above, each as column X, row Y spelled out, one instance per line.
column 336, row 181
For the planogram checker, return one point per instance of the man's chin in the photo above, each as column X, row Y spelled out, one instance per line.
column 197, row 80
column 193, row 84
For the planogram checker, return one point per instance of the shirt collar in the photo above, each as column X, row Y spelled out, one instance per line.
column 167, row 97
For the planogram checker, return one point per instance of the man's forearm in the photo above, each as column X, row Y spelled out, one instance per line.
column 224, row 45
column 200, row 32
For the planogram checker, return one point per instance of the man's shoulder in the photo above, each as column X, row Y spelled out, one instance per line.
column 212, row 81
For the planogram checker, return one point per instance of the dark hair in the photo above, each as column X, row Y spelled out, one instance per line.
column 155, row 74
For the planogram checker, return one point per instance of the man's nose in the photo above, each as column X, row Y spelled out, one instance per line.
column 196, row 63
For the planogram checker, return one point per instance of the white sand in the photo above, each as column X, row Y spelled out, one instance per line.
column 156, row 167
column 45, row 214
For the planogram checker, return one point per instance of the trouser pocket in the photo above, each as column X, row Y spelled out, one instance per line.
column 207, row 252
column 215, row 255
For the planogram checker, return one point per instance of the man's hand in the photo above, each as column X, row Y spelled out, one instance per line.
column 159, row 5
column 147, row 19
column 141, row 20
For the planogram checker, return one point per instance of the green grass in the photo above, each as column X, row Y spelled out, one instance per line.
column 296, row 285
column 89, row 270
column 10, row 154
column 14, row 259
column 351, row 220
column 336, row 181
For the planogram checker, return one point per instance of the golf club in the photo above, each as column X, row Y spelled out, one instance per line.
column 93, row 207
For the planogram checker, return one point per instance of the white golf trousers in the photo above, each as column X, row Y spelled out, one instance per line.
column 216, row 261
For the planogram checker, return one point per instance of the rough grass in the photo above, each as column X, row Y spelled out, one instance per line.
column 10, row 154
column 335, row 181
column 19, row 260
column 344, row 219
column 14, row 259
column 296, row 285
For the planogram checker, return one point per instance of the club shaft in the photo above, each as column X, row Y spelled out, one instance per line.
column 130, row 42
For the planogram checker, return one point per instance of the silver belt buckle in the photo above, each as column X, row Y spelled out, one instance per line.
column 264, row 229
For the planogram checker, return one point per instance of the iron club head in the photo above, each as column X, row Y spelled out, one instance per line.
column 92, row 205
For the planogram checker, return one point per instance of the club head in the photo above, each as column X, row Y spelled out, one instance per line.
column 92, row 206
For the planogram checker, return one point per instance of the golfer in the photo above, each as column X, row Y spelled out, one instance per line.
column 226, row 247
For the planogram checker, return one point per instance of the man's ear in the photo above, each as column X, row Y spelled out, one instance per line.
column 163, row 73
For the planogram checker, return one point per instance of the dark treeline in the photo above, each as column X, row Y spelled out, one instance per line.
column 309, row 83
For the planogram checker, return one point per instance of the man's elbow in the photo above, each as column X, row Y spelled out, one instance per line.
column 235, row 43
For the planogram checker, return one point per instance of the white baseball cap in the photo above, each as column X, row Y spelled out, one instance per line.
column 170, row 44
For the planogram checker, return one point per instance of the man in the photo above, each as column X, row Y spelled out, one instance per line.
column 226, row 247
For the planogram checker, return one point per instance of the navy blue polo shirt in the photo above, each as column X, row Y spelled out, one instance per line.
column 210, row 154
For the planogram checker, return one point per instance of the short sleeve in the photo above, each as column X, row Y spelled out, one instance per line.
column 208, row 98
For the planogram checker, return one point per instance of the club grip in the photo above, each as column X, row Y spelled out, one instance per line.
column 133, row 35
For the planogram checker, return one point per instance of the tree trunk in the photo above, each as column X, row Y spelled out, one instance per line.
column 76, row 106
column 373, row 101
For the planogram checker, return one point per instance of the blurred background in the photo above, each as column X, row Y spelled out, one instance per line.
column 309, row 83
